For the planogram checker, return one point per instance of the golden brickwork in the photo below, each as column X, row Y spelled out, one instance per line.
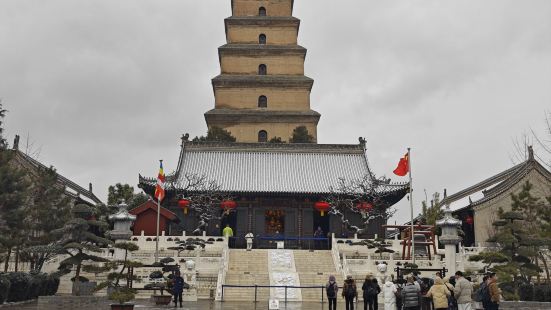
column 248, row 132
column 278, row 99
column 273, row 8
column 283, row 65
column 275, row 35
column 262, row 32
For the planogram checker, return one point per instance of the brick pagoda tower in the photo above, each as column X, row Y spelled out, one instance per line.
column 262, row 92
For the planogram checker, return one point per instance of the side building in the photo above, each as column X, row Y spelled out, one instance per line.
column 477, row 205
column 31, row 166
column 275, row 186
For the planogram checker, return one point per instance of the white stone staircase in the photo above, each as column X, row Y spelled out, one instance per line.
column 247, row 268
column 251, row 267
column 314, row 269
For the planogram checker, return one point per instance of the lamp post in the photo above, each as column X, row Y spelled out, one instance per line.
column 449, row 238
column 122, row 220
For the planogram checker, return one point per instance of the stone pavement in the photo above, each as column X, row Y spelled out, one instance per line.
column 207, row 305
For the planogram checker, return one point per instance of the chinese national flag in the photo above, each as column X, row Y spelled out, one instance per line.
column 403, row 166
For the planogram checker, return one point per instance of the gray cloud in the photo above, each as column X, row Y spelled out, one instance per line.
column 106, row 88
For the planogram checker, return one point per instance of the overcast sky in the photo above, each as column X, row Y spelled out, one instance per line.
column 105, row 88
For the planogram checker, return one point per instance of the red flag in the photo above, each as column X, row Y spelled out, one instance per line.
column 403, row 166
column 160, row 188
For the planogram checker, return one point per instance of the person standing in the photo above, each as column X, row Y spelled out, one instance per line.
column 410, row 295
column 227, row 232
column 463, row 291
column 439, row 294
column 369, row 293
column 494, row 292
column 378, row 290
column 332, row 289
column 389, row 293
column 318, row 234
column 178, row 288
column 249, row 237
column 349, row 292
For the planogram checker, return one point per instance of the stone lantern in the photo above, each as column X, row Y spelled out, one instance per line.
column 122, row 220
column 450, row 238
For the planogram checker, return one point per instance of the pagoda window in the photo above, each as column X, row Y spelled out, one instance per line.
column 262, row 39
column 262, row 11
column 262, row 69
column 262, row 136
column 262, row 102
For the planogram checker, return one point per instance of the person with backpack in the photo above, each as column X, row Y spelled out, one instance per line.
column 349, row 292
column 410, row 295
column 439, row 294
column 400, row 282
column 478, row 295
column 389, row 293
column 332, row 289
column 369, row 293
column 378, row 288
column 462, row 292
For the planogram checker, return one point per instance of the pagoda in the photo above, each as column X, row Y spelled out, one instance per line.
column 262, row 92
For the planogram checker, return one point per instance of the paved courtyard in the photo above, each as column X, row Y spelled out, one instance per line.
column 207, row 305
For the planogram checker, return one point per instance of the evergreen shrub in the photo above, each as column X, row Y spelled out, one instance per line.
column 4, row 287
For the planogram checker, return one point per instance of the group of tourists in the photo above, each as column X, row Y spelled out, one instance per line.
column 415, row 293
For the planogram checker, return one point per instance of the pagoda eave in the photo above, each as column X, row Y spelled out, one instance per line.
column 254, row 81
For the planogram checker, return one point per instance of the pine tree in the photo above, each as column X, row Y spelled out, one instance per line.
column 77, row 241
column 301, row 135
column 123, row 192
column 3, row 143
column 49, row 209
column 13, row 198
column 217, row 134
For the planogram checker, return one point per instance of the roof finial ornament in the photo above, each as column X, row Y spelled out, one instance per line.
column 530, row 153
column 185, row 138
column 16, row 142
column 363, row 142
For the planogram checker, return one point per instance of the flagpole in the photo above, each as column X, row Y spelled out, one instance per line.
column 411, row 207
column 158, row 219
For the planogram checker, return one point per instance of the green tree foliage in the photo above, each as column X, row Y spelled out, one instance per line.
column 3, row 143
column 123, row 192
column 13, row 199
column 48, row 210
column 217, row 134
column 119, row 271
column 276, row 140
column 432, row 211
column 78, row 242
column 301, row 135
column 519, row 240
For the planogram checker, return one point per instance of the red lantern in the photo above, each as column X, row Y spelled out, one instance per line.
column 469, row 220
column 364, row 206
column 322, row 207
column 183, row 204
column 228, row 205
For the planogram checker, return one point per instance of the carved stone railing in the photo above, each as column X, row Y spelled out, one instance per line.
column 224, row 262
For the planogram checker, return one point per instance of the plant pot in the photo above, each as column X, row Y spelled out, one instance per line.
column 162, row 299
column 122, row 307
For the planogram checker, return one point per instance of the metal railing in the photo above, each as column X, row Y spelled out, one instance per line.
column 285, row 287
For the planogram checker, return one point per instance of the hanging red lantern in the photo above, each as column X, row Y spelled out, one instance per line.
column 364, row 206
column 228, row 205
column 469, row 220
column 322, row 207
column 184, row 204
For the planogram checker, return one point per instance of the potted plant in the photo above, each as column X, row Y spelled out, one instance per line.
column 119, row 270
column 162, row 282
column 122, row 296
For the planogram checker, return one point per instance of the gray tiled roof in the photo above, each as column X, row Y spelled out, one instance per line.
column 273, row 168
